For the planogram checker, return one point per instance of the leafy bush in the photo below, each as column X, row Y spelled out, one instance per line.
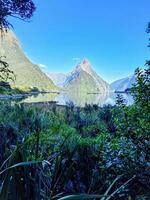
column 99, row 153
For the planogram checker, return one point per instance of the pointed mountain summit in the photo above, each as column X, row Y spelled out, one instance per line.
column 84, row 79
column 28, row 75
column 85, row 65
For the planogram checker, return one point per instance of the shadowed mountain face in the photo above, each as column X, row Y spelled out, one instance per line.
column 84, row 79
column 123, row 84
column 27, row 74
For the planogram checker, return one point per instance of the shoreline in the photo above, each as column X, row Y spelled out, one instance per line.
column 24, row 95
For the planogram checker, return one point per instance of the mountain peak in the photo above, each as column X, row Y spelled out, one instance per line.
column 85, row 65
column 86, row 62
column 83, row 79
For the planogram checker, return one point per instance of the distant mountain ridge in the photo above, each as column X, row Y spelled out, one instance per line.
column 124, row 84
column 57, row 78
column 27, row 73
column 84, row 79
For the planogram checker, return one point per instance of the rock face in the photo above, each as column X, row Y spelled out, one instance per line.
column 84, row 79
column 27, row 74
column 124, row 84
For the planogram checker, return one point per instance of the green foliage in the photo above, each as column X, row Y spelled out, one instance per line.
column 5, row 73
column 56, row 152
column 11, row 8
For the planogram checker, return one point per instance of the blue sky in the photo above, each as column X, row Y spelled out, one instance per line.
column 110, row 33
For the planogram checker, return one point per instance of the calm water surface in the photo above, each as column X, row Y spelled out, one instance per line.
column 79, row 99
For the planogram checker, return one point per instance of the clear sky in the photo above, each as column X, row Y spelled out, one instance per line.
column 110, row 33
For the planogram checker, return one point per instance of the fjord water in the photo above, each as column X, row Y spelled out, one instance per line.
column 78, row 99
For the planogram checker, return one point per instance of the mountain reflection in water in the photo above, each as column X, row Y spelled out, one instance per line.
column 79, row 99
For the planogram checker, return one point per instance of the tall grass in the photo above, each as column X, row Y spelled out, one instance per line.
column 57, row 153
